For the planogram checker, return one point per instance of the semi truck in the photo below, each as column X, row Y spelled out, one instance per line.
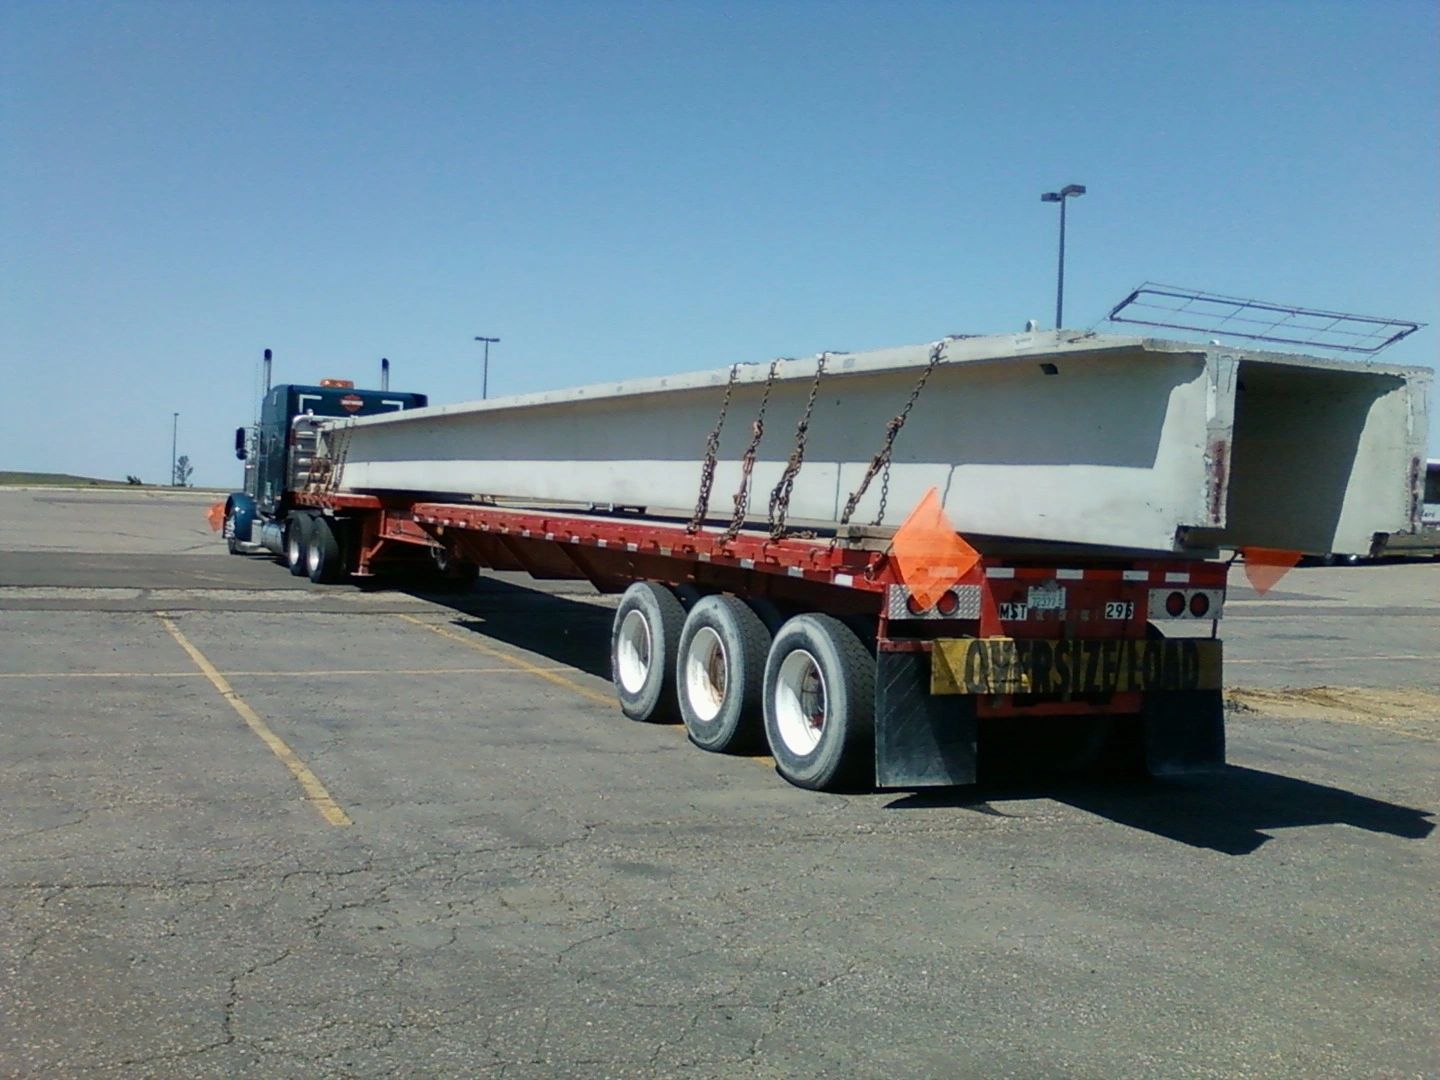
column 902, row 655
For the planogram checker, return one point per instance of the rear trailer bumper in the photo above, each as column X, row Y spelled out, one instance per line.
column 938, row 708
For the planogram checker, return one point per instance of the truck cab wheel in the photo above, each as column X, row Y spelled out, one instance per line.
column 820, row 704
column 322, row 554
column 297, row 540
column 644, row 642
column 720, row 674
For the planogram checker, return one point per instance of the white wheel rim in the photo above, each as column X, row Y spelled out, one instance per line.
column 292, row 550
column 312, row 558
column 632, row 651
column 707, row 674
column 801, row 703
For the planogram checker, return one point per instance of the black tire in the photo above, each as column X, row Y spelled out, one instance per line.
column 323, row 563
column 720, row 675
column 769, row 613
column 644, row 641
column 297, row 541
column 820, row 704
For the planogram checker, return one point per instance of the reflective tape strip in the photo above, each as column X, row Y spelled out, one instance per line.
column 1182, row 578
column 1137, row 575
column 1000, row 572
column 1069, row 575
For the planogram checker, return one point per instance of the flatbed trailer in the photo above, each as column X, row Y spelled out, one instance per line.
column 827, row 649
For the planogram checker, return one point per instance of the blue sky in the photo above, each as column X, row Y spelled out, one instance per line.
column 631, row 188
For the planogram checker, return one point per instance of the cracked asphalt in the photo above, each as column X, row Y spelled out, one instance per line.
column 532, row 886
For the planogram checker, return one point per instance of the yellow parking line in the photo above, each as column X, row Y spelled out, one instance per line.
column 548, row 674
column 314, row 790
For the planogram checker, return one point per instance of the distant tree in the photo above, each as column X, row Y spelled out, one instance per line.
column 133, row 480
column 183, row 469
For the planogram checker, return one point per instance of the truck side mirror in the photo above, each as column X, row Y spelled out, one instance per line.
column 240, row 443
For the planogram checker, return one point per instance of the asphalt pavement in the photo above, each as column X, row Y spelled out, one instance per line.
column 252, row 826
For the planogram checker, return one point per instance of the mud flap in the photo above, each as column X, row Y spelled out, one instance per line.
column 921, row 739
column 1184, row 732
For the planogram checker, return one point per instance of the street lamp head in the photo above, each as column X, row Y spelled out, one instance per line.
column 491, row 340
column 1072, row 189
column 1050, row 196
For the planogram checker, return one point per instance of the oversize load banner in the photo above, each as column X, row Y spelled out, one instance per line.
column 1008, row 666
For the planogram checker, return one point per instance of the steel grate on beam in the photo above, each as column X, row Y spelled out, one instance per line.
column 1175, row 308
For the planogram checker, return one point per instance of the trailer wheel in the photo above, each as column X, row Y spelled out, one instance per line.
column 720, row 674
column 322, row 553
column 297, row 540
column 644, row 641
column 820, row 704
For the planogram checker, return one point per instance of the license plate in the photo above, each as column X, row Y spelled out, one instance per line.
column 1073, row 666
column 1046, row 598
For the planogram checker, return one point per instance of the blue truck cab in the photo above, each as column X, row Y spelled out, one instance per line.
column 277, row 450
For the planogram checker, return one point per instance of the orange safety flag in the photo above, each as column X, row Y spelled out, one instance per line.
column 1265, row 566
column 930, row 555
column 215, row 515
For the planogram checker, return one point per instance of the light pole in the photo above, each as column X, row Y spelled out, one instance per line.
column 485, row 378
column 1060, row 196
column 174, row 431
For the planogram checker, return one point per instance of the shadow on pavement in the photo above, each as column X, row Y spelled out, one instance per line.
column 1228, row 811
column 561, row 628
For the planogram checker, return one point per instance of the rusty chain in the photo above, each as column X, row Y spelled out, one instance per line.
column 712, row 449
column 747, row 460
column 780, row 495
column 881, row 461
